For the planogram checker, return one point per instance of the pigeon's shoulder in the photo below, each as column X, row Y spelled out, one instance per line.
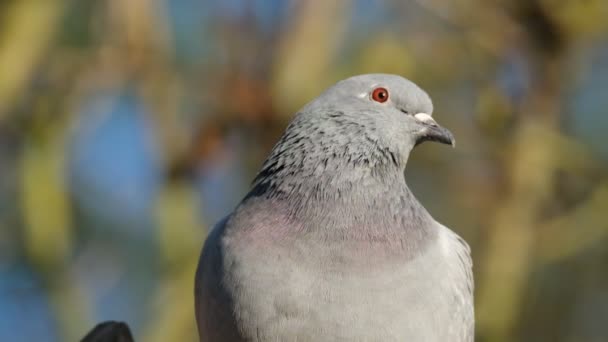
column 459, row 249
column 460, row 275
column 213, row 302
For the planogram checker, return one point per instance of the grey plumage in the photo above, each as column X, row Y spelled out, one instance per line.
column 330, row 244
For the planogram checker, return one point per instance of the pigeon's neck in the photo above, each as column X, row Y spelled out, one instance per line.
column 328, row 155
column 330, row 180
column 309, row 170
column 336, row 198
column 365, row 211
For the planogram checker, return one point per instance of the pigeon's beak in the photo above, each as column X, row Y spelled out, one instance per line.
column 431, row 131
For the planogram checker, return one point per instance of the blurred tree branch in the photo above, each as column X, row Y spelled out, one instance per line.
column 576, row 230
column 29, row 28
column 306, row 51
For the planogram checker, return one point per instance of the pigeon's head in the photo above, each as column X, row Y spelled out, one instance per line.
column 368, row 123
column 388, row 109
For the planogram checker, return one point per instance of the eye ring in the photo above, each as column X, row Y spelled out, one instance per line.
column 380, row 94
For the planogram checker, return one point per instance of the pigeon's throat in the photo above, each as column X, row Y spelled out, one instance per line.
column 328, row 177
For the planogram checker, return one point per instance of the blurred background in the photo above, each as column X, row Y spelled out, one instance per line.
column 127, row 128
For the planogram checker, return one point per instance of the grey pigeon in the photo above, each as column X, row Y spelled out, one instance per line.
column 330, row 244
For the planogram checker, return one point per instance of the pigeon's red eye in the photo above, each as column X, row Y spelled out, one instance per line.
column 380, row 95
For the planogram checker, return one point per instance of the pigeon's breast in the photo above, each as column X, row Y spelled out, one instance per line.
column 311, row 290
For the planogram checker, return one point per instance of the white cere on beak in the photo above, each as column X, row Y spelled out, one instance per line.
column 426, row 118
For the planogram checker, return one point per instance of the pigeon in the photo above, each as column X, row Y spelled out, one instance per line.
column 330, row 244
column 109, row 331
